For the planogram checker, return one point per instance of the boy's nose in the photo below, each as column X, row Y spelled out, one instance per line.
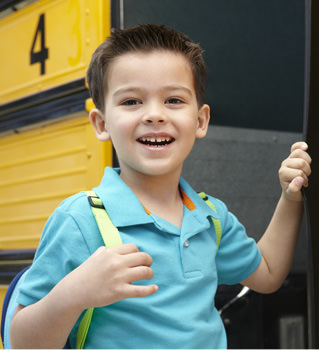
column 154, row 119
column 155, row 116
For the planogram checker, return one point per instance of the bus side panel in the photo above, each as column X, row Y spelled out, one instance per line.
column 70, row 31
column 41, row 167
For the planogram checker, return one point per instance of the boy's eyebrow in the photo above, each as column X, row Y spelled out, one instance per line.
column 171, row 88
column 126, row 90
column 179, row 87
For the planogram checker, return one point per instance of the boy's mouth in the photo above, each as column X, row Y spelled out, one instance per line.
column 156, row 140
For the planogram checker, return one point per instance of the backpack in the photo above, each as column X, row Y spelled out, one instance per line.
column 111, row 237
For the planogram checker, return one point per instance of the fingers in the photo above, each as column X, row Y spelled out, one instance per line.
column 296, row 185
column 135, row 265
column 299, row 151
column 124, row 248
column 299, row 145
column 295, row 170
column 131, row 256
column 110, row 275
column 137, row 291
column 137, row 259
column 138, row 266
column 298, row 162
column 139, row 273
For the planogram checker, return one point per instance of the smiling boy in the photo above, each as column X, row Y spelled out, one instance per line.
column 153, row 122
column 157, row 289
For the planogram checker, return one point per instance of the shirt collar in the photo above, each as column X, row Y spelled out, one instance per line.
column 122, row 205
column 125, row 209
column 199, row 207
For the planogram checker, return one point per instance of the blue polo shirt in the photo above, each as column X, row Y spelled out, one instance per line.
column 186, row 262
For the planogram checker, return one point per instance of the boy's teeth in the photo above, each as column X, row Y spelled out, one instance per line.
column 156, row 140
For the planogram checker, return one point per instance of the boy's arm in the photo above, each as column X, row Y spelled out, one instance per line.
column 101, row 280
column 278, row 243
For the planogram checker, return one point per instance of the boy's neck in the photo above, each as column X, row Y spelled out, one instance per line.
column 159, row 194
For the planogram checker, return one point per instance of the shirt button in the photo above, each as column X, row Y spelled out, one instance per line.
column 186, row 243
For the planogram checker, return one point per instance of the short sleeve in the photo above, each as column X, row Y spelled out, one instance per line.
column 238, row 255
column 62, row 248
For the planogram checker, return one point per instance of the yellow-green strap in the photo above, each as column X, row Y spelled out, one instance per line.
column 216, row 222
column 84, row 328
column 111, row 238
column 109, row 232
column 218, row 230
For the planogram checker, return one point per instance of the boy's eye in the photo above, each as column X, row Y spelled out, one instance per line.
column 174, row 100
column 130, row 102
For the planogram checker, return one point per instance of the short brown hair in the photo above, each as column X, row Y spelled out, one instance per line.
column 144, row 38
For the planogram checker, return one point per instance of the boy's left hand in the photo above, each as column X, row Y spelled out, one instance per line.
column 294, row 171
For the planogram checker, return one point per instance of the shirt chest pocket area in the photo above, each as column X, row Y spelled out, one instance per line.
column 198, row 255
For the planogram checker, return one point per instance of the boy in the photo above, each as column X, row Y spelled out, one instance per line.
column 148, row 86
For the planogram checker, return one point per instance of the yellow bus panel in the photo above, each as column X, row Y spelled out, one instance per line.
column 49, row 43
column 41, row 167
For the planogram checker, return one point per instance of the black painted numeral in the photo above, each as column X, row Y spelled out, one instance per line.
column 43, row 54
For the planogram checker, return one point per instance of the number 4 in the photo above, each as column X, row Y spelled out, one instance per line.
column 43, row 54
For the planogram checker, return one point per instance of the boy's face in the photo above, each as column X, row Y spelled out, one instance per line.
column 151, row 112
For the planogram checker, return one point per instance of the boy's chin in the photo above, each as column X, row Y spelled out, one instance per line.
column 155, row 170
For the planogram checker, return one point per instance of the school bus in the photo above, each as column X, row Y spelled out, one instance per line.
column 48, row 149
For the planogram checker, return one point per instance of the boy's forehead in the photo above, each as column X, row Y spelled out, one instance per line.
column 147, row 65
column 144, row 56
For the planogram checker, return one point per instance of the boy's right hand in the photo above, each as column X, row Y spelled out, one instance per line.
column 106, row 277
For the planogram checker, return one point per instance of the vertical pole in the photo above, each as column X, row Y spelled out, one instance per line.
column 311, row 135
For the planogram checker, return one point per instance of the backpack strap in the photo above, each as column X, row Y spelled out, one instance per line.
column 109, row 232
column 216, row 222
column 9, row 306
column 111, row 238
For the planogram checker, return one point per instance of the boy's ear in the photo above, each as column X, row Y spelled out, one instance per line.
column 203, row 121
column 99, row 125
